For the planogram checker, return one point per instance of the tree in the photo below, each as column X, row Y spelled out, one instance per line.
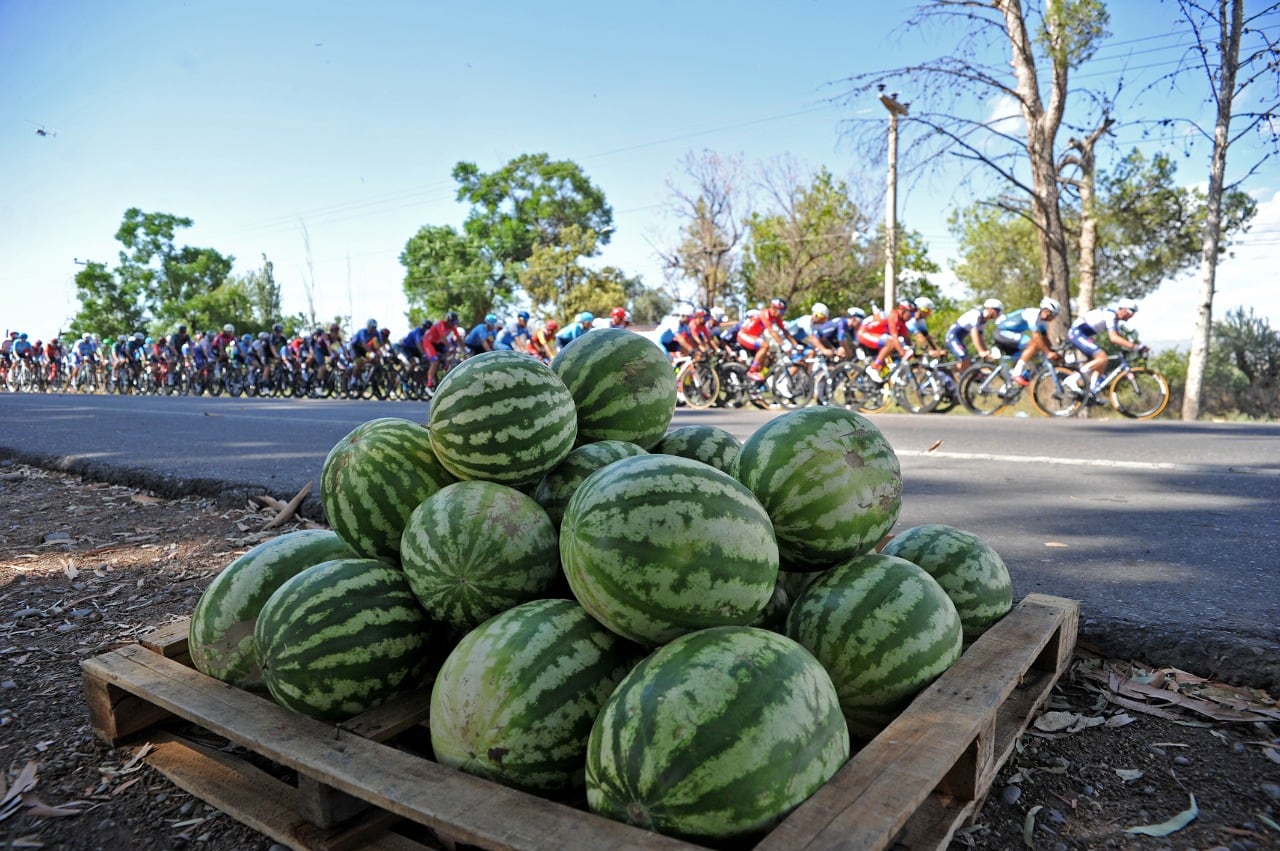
column 108, row 306
column 707, row 254
column 804, row 246
column 526, row 204
column 1234, row 75
column 1045, row 45
column 558, row 284
column 999, row 253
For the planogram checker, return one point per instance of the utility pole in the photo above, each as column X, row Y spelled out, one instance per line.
column 891, row 203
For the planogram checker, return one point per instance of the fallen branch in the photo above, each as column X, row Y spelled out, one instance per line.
column 289, row 510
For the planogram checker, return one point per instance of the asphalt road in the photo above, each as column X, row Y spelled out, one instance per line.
column 1167, row 532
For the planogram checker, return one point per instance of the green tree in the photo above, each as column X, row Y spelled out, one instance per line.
column 526, row 205
column 559, row 284
column 999, row 254
column 108, row 306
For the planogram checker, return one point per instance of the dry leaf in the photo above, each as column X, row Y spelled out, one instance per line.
column 935, row 445
column 1128, row 775
column 1173, row 825
column 1056, row 544
column 146, row 500
column 1029, row 826
column 24, row 782
column 37, row 807
column 1272, row 754
column 1055, row 722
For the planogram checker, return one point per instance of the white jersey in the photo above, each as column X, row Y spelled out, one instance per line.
column 1096, row 321
column 969, row 320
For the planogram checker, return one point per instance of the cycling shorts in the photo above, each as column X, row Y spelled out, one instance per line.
column 1011, row 342
column 1082, row 341
column 955, row 342
column 872, row 341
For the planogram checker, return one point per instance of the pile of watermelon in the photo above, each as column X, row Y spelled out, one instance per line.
column 676, row 629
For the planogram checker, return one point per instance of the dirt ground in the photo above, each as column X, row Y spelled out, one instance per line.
column 86, row 567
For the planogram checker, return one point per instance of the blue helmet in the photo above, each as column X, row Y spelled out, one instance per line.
column 491, row 319
column 524, row 314
column 586, row 317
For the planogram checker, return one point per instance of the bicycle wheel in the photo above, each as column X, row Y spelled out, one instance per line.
column 698, row 384
column 869, row 396
column 1140, row 394
column 735, row 387
column 1051, row 398
column 917, row 390
column 793, row 389
column 983, row 389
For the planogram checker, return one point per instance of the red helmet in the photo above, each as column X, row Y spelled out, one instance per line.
column 618, row 314
column 553, row 325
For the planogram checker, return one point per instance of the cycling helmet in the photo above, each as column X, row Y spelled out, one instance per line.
column 586, row 317
column 524, row 314
column 553, row 325
column 907, row 303
column 372, row 325
column 994, row 304
column 150, row 341
column 820, row 309
column 278, row 328
column 263, row 335
column 684, row 311
column 385, row 333
column 924, row 303
column 491, row 319
column 618, row 314
column 160, row 342
column 779, row 303
column 451, row 318
column 718, row 314
column 85, row 337
column 229, row 328
column 1051, row 305
column 700, row 313
column 138, row 335
column 856, row 313
column 1127, row 304
column 182, row 329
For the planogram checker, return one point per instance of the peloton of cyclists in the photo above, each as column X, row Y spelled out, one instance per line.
column 1082, row 334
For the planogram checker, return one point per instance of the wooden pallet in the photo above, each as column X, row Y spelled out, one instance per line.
column 911, row 787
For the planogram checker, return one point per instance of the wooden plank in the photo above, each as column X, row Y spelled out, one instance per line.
column 170, row 640
column 115, row 714
column 456, row 806
column 262, row 802
column 871, row 799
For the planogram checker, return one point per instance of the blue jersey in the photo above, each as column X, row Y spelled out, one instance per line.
column 412, row 342
column 1022, row 322
column 829, row 332
column 506, row 338
column 477, row 336
column 365, row 336
column 570, row 334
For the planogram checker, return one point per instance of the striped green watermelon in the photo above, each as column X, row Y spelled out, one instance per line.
column 968, row 569
column 503, row 417
column 221, row 632
column 716, row 736
column 829, row 480
column 622, row 384
column 516, row 698
column 341, row 638
column 774, row 615
column 655, row 546
column 556, row 487
column 373, row 479
column 706, row 443
column 883, row 628
column 474, row 549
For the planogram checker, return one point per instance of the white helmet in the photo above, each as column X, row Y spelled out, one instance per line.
column 718, row 314
column 1051, row 305
column 820, row 309
column 994, row 304
column 924, row 303
column 684, row 311
column 1127, row 304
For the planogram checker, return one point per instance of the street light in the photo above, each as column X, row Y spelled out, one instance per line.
column 891, row 202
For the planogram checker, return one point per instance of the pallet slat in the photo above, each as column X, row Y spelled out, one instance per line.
column 910, row 788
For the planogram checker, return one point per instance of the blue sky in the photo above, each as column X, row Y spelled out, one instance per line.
column 259, row 119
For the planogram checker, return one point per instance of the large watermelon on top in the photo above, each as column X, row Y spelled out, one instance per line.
column 655, row 546
column 883, row 628
column 341, row 638
column 373, row 479
column 503, row 417
column 516, row 698
column 622, row 384
column 829, row 480
column 716, row 736
column 220, row 637
column 967, row 567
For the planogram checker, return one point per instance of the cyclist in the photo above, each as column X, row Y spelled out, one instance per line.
column 673, row 331
column 439, row 340
column 542, row 344
column 178, row 341
column 1025, row 332
column 54, row 354
column 581, row 326
column 480, row 339
column 1082, row 334
column 918, row 327
column 883, row 334
column 809, row 330
column 85, row 352
column 410, row 345
column 224, row 339
column 364, row 345
column 752, row 335
column 619, row 317
column 968, row 326
column 515, row 336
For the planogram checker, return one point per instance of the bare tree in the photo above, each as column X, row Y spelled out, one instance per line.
column 1045, row 42
column 1080, row 155
column 708, row 252
column 1235, row 73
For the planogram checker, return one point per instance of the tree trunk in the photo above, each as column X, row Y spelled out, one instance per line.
column 1088, row 247
column 1042, row 129
column 1229, row 31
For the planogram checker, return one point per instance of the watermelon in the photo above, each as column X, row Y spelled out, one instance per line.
column 474, row 549
column 774, row 615
column 556, row 487
column 883, row 628
column 372, row 480
column 829, row 480
column 341, row 638
column 515, row 700
column 968, row 569
column 622, row 385
column 706, row 443
column 655, row 546
column 716, row 736
column 220, row 636
column 502, row 417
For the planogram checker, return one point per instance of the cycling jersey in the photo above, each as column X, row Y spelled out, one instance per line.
column 478, row 336
column 570, row 334
column 753, row 329
column 411, row 343
column 509, row 336
column 668, row 330
column 958, row 333
column 877, row 329
column 1089, row 325
column 1014, row 330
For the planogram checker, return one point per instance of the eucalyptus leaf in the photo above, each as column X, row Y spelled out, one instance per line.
column 1173, row 825
column 1029, row 826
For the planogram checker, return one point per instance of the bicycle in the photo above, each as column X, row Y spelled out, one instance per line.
column 1136, row 392
column 913, row 386
column 697, row 383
